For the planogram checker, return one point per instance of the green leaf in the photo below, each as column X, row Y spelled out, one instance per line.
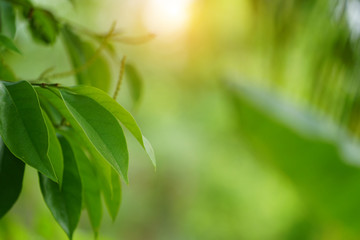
column 7, row 19
column 101, row 127
column 89, row 180
column 54, row 150
column 92, row 68
column 113, row 197
column 111, row 187
column 11, row 176
column 43, row 26
column 51, row 99
column 6, row 74
column 22, row 126
column 135, row 82
column 306, row 149
column 64, row 202
column 119, row 112
column 109, row 180
column 8, row 43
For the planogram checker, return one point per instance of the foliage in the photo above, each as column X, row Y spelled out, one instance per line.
column 72, row 136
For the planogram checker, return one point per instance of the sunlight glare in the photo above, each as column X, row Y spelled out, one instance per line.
column 166, row 17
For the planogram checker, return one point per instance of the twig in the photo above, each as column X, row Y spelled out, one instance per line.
column 89, row 62
column 121, row 75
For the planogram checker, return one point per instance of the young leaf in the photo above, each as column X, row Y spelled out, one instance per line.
column 89, row 180
column 119, row 112
column 92, row 68
column 135, row 82
column 64, row 202
column 11, row 176
column 7, row 19
column 54, row 150
column 102, row 129
column 6, row 74
column 22, row 126
column 43, row 26
column 8, row 43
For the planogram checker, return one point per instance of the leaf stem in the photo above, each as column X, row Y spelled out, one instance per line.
column 121, row 75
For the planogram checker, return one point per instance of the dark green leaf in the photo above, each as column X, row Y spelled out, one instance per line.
column 92, row 68
column 8, row 43
column 101, row 127
column 6, row 74
column 89, row 180
column 309, row 151
column 64, row 202
column 54, row 150
column 11, row 176
column 135, row 82
column 7, row 19
column 51, row 98
column 22, row 126
column 43, row 26
column 120, row 113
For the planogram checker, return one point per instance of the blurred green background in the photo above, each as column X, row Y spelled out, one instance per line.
column 252, row 108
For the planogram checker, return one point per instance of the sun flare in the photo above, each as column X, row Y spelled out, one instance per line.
column 165, row 17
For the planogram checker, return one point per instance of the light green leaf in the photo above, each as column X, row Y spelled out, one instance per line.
column 102, row 129
column 119, row 112
column 89, row 180
column 113, row 200
column 6, row 74
column 135, row 82
column 43, row 26
column 7, row 19
column 22, row 126
column 8, row 43
column 92, row 68
column 307, row 150
column 110, row 186
column 54, row 150
column 64, row 202
column 11, row 176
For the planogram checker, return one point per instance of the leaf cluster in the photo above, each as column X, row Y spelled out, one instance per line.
column 73, row 136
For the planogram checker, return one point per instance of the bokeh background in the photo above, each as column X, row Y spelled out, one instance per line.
column 251, row 106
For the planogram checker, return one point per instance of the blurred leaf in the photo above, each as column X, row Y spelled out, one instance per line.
column 7, row 19
column 306, row 149
column 101, row 127
column 91, row 69
column 120, row 113
column 43, row 26
column 89, row 180
column 8, row 43
column 64, row 202
column 21, row 121
column 110, row 189
column 54, row 150
column 6, row 74
column 11, row 176
column 135, row 82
